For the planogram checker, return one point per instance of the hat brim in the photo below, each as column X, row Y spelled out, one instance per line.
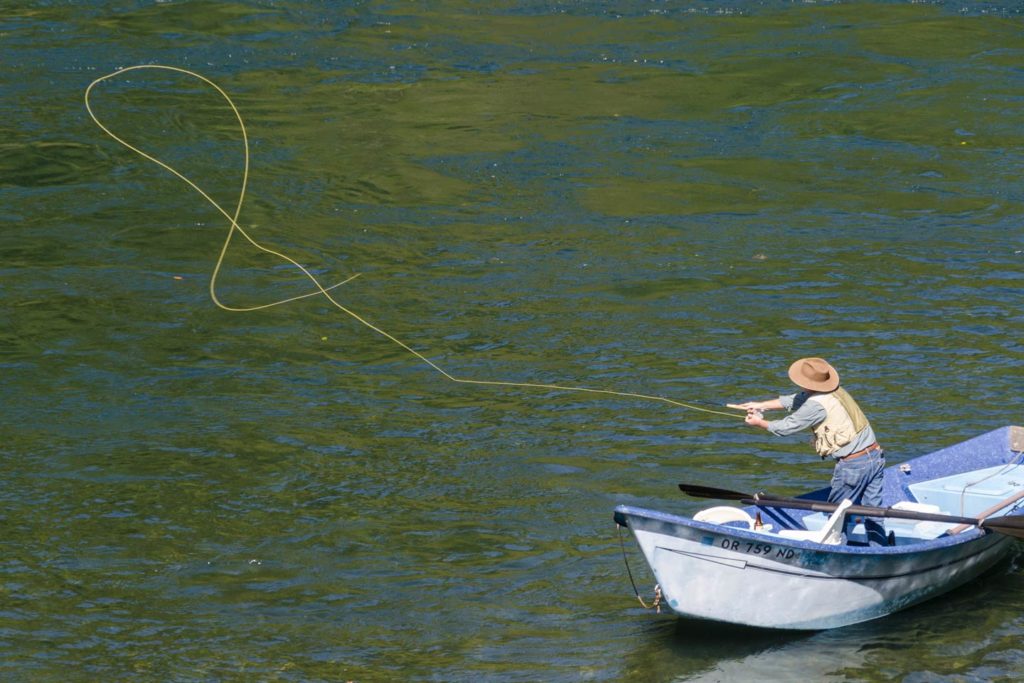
column 831, row 383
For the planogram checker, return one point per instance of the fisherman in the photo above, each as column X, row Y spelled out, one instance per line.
column 841, row 432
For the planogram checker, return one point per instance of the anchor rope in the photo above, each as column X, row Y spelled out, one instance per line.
column 656, row 601
column 318, row 288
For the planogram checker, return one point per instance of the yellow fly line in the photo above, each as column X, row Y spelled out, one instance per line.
column 319, row 289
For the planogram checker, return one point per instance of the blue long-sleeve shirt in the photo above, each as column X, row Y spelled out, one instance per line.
column 806, row 414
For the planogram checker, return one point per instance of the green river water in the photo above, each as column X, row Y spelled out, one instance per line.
column 675, row 199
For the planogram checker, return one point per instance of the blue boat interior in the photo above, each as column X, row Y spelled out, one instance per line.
column 968, row 479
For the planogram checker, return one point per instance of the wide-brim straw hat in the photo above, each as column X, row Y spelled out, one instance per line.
column 814, row 374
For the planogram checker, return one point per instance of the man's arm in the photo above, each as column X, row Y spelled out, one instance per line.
column 806, row 416
column 770, row 404
column 754, row 409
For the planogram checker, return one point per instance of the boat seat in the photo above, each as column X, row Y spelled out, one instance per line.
column 919, row 529
column 830, row 534
column 723, row 514
column 917, row 507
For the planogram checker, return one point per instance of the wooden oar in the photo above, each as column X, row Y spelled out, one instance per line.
column 1011, row 525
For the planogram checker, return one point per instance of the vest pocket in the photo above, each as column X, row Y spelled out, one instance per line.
column 827, row 440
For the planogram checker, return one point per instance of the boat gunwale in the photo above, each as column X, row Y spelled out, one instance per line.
column 940, row 542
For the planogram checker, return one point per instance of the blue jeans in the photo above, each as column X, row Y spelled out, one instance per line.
column 860, row 480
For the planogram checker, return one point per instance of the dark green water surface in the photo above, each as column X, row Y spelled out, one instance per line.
column 663, row 198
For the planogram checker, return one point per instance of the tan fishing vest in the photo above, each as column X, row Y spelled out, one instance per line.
column 843, row 421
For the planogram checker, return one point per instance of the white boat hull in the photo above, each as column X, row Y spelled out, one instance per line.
column 756, row 580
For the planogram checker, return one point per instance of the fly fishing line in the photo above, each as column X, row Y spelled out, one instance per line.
column 235, row 228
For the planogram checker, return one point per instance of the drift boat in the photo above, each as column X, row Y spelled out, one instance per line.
column 786, row 563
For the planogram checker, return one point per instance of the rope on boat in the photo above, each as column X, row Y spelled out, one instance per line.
column 656, row 601
column 1006, row 468
column 1016, row 501
column 318, row 289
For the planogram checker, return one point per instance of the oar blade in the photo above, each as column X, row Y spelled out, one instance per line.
column 698, row 491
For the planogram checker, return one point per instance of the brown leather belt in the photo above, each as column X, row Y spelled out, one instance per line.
column 857, row 454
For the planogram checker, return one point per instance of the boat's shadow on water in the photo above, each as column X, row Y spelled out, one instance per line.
column 690, row 649
column 694, row 650
column 728, row 641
